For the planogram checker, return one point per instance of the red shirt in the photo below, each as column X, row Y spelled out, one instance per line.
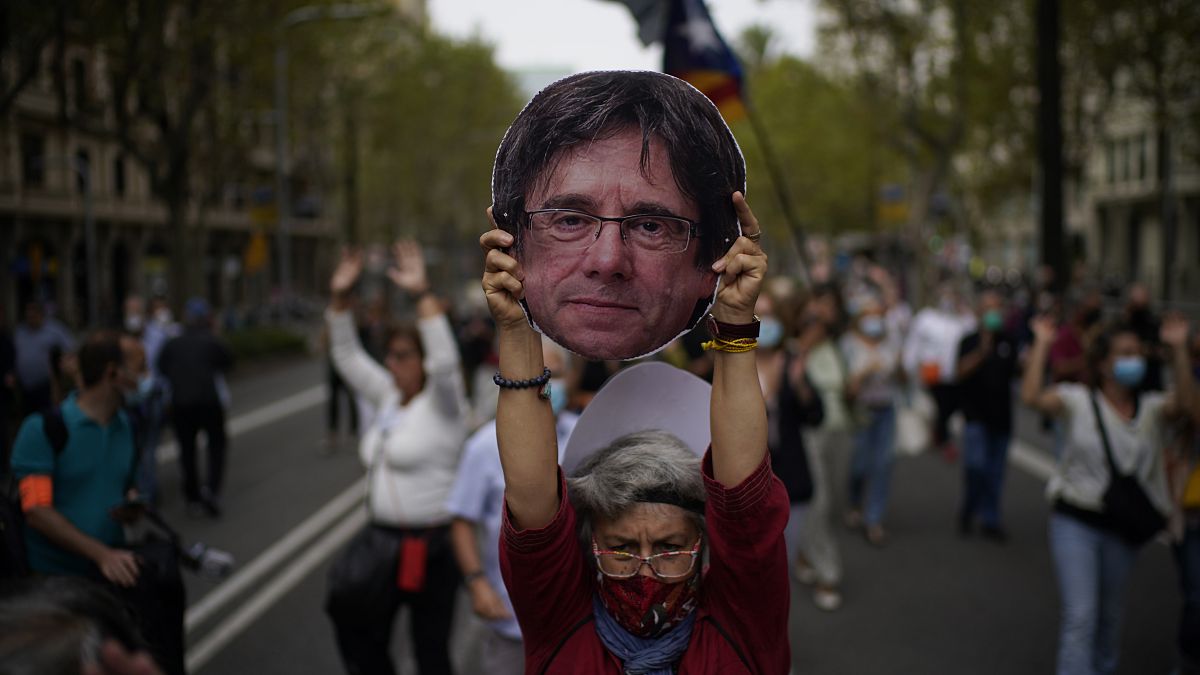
column 741, row 626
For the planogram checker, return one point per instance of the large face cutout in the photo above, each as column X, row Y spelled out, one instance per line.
column 618, row 294
column 616, row 255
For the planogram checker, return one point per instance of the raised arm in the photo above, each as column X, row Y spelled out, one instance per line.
column 1034, row 392
column 443, row 367
column 738, row 414
column 1182, row 398
column 524, row 421
column 366, row 377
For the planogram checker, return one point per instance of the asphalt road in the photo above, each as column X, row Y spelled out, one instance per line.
column 929, row 602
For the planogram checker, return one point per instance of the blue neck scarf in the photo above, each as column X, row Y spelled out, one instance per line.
column 640, row 656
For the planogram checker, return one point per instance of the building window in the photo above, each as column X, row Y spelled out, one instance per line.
column 33, row 160
column 79, row 80
column 119, row 176
column 1110, row 161
column 83, row 163
column 1123, row 161
column 1143, row 147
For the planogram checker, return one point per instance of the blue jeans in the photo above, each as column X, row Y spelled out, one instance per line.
column 871, row 465
column 1092, row 566
column 985, row 457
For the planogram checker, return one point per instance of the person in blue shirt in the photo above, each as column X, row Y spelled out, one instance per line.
column 68, row 496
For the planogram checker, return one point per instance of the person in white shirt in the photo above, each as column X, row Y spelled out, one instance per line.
column 411, row 453
column 1093, row 553
column 930, row 357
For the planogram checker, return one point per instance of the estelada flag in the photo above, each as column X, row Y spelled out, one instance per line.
column 694, row 51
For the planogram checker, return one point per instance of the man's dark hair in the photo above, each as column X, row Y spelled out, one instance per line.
column 98, row 351
column 703, row 153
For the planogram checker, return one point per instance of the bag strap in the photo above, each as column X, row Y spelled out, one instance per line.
column 1112, row 465
column 55, row 429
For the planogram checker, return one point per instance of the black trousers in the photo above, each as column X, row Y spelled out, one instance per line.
column 363, row 635
column 189, row 421
column 946, row 397
column 338, row 388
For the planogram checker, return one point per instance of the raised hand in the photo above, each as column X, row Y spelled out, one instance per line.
column 742, row 270
column 503, row 277
column 408, row 267
column 1044, row 328
column 347, row 272
column 1174, row 331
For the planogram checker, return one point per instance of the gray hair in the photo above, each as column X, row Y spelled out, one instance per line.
column 646, row 466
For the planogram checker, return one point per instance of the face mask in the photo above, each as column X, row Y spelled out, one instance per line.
column 163, row 316
column 647, row 606
column 134, row 323
column 993, row 320
column 947, row 305
column 1128, row 371
column 872, row 326
column 558, row 394
column 770, row 332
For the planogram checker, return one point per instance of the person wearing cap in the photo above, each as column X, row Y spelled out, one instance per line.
column 683, row 567
column 191, row 363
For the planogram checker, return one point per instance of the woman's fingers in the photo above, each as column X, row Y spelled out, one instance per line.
column 495, row 239
column 499, row 261
column 745, row 215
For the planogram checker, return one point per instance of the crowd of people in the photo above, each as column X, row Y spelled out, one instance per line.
column 650, row 552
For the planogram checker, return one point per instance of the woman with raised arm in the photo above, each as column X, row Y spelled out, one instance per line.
column 638, row 597
column 1093, row 554
column 411, row 453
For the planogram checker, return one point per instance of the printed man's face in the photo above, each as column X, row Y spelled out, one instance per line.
column 611, row 300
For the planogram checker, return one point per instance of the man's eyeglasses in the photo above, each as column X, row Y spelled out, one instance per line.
column 568, row 229
column 666, row 565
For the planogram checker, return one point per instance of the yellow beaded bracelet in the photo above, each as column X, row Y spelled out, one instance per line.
column 736, row 346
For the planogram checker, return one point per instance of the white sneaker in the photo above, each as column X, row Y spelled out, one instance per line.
column 827, row 599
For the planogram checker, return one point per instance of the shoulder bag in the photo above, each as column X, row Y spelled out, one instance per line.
column 1131, row 512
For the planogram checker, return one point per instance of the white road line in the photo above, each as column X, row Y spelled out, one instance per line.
column 273, row 556
column 273, row 591
column 258, row 418
column 1031, row 460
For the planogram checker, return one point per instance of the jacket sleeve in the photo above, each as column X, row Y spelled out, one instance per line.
column 366, row 377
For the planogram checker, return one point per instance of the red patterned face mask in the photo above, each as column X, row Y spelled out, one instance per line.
column 646, row 606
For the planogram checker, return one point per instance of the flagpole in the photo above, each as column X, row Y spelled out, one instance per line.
column 798, row 240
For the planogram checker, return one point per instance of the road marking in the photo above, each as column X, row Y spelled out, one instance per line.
column 257, row 418
column 273, row 556
column 1032, row 461
column 276, row 589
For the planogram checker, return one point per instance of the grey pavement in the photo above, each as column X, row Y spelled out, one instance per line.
column 929, row 602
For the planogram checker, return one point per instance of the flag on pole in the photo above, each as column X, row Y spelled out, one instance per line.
column 694, row 51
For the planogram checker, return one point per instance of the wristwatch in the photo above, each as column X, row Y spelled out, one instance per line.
column 719, row 330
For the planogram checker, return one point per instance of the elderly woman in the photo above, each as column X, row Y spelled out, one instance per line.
column 638, row 597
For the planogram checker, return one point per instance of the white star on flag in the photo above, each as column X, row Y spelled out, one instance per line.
column 700, row 34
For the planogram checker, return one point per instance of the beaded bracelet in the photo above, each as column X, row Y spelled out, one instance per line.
column 532, row 382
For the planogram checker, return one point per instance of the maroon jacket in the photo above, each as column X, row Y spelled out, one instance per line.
column 744, row 596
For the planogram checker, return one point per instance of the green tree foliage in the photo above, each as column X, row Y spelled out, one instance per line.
column 827, row 139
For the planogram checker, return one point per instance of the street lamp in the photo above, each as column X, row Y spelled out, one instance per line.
column 282, row 197
column 83, row 169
